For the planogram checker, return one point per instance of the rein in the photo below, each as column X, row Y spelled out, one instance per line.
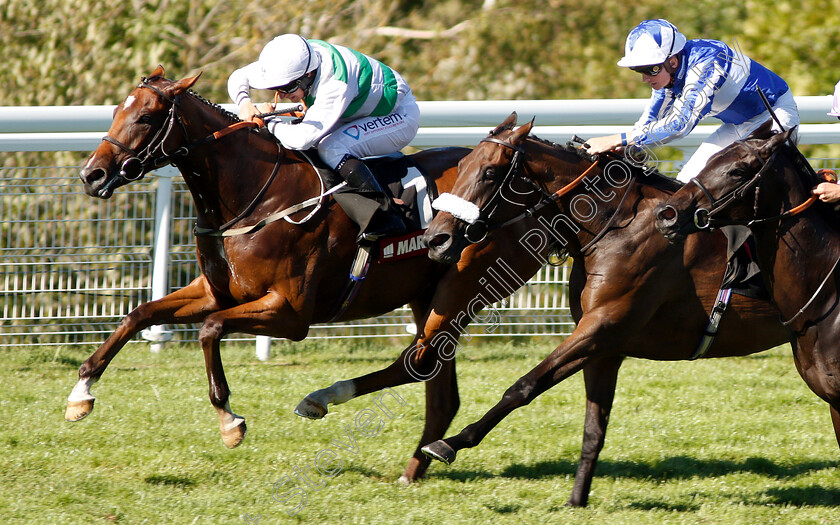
column 814, row 296
column 554, row 197
column 704, row 218
column 150, row 161
column 482, row 222
column 548, row 198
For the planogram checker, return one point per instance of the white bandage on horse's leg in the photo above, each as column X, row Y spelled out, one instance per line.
column 81, row 392
column 458, row 207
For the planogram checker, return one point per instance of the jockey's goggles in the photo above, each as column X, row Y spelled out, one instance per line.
column 649, row 70
column 305, row 82
column 291, row 87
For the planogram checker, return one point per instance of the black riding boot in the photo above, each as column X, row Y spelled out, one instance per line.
column 377, row 220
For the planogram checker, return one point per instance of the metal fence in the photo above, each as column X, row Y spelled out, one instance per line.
column 72, row 266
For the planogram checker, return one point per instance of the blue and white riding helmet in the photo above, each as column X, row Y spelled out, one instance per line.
column 651, row 42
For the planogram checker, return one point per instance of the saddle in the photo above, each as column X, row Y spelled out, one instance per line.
column 406, row 183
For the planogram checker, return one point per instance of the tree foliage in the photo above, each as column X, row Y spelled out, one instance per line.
column 92, row 52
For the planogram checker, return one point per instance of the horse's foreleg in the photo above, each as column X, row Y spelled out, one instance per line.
column 189, row 304
column 442, row 403
column 564, row 361
column 270, row 315
column 600, row 377
column 820, row 369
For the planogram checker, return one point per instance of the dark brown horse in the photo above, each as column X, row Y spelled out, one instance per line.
column 765, row 183
column 283, row 278
column 633, row 293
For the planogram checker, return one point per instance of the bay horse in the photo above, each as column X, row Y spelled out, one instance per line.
column 765, row 183
column 280, row 279
column 633, row 294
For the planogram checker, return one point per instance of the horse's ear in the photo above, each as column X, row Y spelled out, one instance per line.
column 521, row 133
column 508, row 124
column 774, row 142
column 158, row 72
column 184, row 84
column 765, row 131
column 789, row 133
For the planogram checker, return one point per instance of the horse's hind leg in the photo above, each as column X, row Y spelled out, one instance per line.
column 420, row 361
column 316, row 404
column 835, row 420
column 269, row 315
column 189, row 304
column 600, row 377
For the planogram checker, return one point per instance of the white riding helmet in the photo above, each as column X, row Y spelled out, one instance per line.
column 283, row 60
column 835, row 106
column 651, row 42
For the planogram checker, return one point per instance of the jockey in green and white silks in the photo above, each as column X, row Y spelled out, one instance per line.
column 356, row 107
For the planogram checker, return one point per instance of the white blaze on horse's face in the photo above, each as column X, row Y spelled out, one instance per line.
column 129, row 101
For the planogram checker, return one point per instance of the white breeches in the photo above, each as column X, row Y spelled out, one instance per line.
column 786, row 111
column 372, row 136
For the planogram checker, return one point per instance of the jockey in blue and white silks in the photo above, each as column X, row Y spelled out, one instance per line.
column 356, row 107
column 692, row 80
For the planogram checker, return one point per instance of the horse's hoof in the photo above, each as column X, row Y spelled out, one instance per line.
column 77, row 410
column 233, row 436
column 440, row 451
column 404, row 481
column 309, row 408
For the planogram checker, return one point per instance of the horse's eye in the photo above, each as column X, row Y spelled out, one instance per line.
column 145, row 119
column 489, row 174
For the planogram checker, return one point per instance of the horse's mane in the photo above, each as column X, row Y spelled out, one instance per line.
column 233, row 118
column 647, row 176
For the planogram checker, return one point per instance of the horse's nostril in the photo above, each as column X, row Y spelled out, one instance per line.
column 91, row 175
column 438, row 240
column 666, row 214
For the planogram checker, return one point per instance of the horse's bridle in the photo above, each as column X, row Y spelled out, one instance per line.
column 153, row 155
column 704, row 218
column 478, row 230
column 481, row 227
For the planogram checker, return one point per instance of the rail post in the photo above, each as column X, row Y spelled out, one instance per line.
column 158, row 334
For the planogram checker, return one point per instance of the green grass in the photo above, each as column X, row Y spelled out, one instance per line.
column 728, row 441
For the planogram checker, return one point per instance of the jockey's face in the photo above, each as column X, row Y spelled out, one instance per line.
column 664, row 78
column 293, row 97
